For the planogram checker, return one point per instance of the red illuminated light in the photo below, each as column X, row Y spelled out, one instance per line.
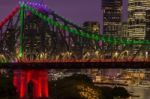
column 40, row 82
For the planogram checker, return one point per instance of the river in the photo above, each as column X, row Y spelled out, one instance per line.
column 144, row 93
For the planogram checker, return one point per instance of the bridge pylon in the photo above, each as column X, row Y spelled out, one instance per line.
column 31, row 80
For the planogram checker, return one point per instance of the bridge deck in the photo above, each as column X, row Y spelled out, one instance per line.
column 81, row 60
column 74, row 65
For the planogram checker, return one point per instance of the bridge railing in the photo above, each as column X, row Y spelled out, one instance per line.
column 80, row 60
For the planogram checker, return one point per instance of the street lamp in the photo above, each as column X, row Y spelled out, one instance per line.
column 116, row 54
column 146, row 54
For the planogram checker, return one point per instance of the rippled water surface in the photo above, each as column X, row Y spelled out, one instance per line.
column 144, row 93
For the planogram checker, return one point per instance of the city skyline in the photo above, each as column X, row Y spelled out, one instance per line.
column 41, row 49
column 70, row 9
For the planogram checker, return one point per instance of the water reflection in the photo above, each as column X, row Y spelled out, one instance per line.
column 143, row 93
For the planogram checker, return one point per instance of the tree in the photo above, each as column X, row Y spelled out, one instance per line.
column 106, row 92
column 7, row 88
column 75, row 87
column 120, row 92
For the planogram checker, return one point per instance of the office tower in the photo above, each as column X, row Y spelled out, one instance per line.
column 147, row 36
column 139, row 23
column 91, row 26
column 112, row 17
column 137, row 19
column 124, row 30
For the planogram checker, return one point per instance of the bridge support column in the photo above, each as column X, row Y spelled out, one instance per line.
column 39, row 79
column 23, row 87
column 44, row 82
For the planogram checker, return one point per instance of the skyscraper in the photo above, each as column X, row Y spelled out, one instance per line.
column 91, row 26
column 112, row 17
column 147, row 24
column 137, row 19
column 138, row 24
column 124, row 30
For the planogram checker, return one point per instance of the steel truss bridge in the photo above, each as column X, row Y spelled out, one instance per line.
column 34, row 34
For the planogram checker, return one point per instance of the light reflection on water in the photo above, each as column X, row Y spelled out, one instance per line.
column 144, row 93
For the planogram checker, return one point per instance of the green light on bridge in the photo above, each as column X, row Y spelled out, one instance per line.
column 21, row 30
column 66, row 28
column 96, row 37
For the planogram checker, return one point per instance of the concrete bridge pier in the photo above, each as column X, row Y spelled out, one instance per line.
column 37, row 78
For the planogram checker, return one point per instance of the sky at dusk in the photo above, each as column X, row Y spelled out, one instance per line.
column 77, row 11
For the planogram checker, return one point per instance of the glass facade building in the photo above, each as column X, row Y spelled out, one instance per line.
column 147, row 24
column 124, row 28
column 112, row 17
column 91, row 26
column 137, row 19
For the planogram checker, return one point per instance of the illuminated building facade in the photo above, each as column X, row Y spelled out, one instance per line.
column 138, row 25
column 124, row 31
column 92, row 26
column 147, row 24
column 112, row 17
column 137, row 19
